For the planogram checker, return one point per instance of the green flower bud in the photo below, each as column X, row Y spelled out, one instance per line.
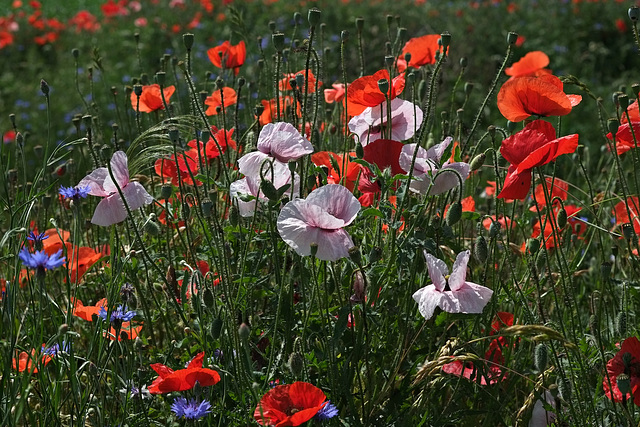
column 269, row 190
column 151, row 227
column 375, row 254
column 216, row 328
column 621, row 323
column 355, row 255
column 244, row 331
column 296, row 364
column 234, row 215
column 454, row 213
column 541, row 357
column 477, row 162
column 564, row 388
column 533, row 245
column 207, row 298
column 561, row 218
column 44, row 87
column 359, row 151
column 480, row 249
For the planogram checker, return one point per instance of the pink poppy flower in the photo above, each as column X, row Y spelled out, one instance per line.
column 320, row 219
column 427, row 166
column 540, row 417
column 281, row 141
column 247, row 190
column 452, row 293
column 111, row 209
column 336, row 94
column 406, row 118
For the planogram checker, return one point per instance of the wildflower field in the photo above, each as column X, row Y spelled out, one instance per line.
column 340, row 213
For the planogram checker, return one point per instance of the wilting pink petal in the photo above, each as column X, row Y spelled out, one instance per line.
column 319, row 220
column 370, row 125
column 283, row 141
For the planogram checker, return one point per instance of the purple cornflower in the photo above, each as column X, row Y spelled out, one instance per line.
column 40, row 260
column 37, row 239
column 75, row 193
column 328, row 411
column 119, row 315
column 54, row 349
column 190, row 409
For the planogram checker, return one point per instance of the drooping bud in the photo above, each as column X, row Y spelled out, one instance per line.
column 477, row 162
column 480, row 249
column 44, row 87
column 621, row 323
column 216, row 328
column 244, row 331
column 454, row 213
column 296, row 363
column 561, row 218
column 541, row 357
column 533, row 245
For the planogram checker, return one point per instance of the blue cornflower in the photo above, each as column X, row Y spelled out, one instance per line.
column 54, row 349
column 40, row 260
column 75, row 193
column 121, row 314
column 328, row 411
column 37, row 239
column 190, row 409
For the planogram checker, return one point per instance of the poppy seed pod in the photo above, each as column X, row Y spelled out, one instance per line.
column 463, row 62
column 359, row 23
column 278, row 41
column 636, row 89
column 44, row 87
column 623, row 101
column 511, row 126
column 613, row 125
column 187, row 39
column 355, row 255
column 623, row 381
column 468, row 87
column 634, row 13
column 344, row 36
column 627, row 231
column 75, row 52
column 314, row 16
column 383, row 86
column 375, row 254
column 512, row 37
column 161, row 77
column 137, row 89
column 446, row 40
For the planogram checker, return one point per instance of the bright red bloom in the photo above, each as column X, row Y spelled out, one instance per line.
column 187, row 166
column 468, row 205
column 214, row 100
column 617, row 366
column 182, row 379
column 30, row 362
column 488, row 369
column 80, row 260
column 535, row 145
column 84, row 21
column 323, row 158
column 6, row 38
column 289, row 405
column 622, row 215
column 126, row 332
column 270, row 112
column 633, row 111
column 87, row 312
column 521, row 97
column 556, row 187
column 504, row 221
column 624, row 136
column 111, row 9
column 224, row 138
column 422, row 49
column 550, row 241
column 228, row 56
column 151, row 99
column 285, row 84
column 385, row 153
column 364, row 92
column 532, row 64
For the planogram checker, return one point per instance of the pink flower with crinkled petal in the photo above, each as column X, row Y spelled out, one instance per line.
column 111, row 209
column 452, row 293
column 427, row 165
column 370, row 125
column 320, row 219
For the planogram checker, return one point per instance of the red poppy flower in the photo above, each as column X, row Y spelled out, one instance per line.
column 290, row 405
column 270, row 111
column 556, row 187
column 535, row 145
column 323, row 158
column 285, row 84
column 334, row 95
column 182, row 379
column 468, row 205
column 56, row 240
column 633, row 111
column 364, row 92
column 126, row 332
column 228, row 56
column 521, row 97
column 80, row 260
column 622, row 215
column 222, row 137
column 504, row 221
column 532, row 64
column 550, row 241
column 617, row 366
column 422, row 49
column 29, row 361
column 488, row 369
column 84, row 21
column 86, row 312
column 624, row 136
column 214, row 100
column 151, row 99
column 187, row 162
column 111, row 9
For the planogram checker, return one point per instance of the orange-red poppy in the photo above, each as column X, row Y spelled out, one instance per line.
column 151, row 98
column 126, row 332
column 535, row 145
column 290, row 405
column 550, row 241
column 332, row 95
column 633, row 111
column 223, row 137
column 624, row 136
column 532, row 64
column 555, row 186
column 364, row 92
column 214, row 100
column 468, row 205
column 422, row 49
column 270, row 111
column 228, row 56
column 323, row 158
column 183, row 379
column 80, row 260
column 521, row 97
column 285, row 83
column 87, row 312
column 187, row 166
column 30, row 361
column 622, row 215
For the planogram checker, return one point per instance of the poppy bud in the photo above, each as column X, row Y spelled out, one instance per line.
column 296, row 363
column 533, row 245
column 207, row 205
column 269, row 190
column 468, row 87
column 344, row 36
column 207, row 298
column 314, row 16
column 621, row 323
column 463, row 62
column 216, row 328
column 541, row 260
column 63, row 329
column 375, row 254
column 272, row 26
column 477, row 162
column 241, row 82
column 422, row 89
column 627, row 231
column 165, row 191
column 454, row 213
column 314, row 249
column 564, row 388
column 622, row 380
column 389, row 60
column 612, row 125
column 244, row 331
column 187, row 39
column 494, row 229
column 512, row 37
column 411, row 77
column 359, row 151
column 151, row 227
column 634, row 13
column 234, row 215
column 44, row 87
column 541, row 357
column 355, row 255
column 561, row 218
column 278, row 41
column 480, row 249
column 359, row 23
column 594, row 324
